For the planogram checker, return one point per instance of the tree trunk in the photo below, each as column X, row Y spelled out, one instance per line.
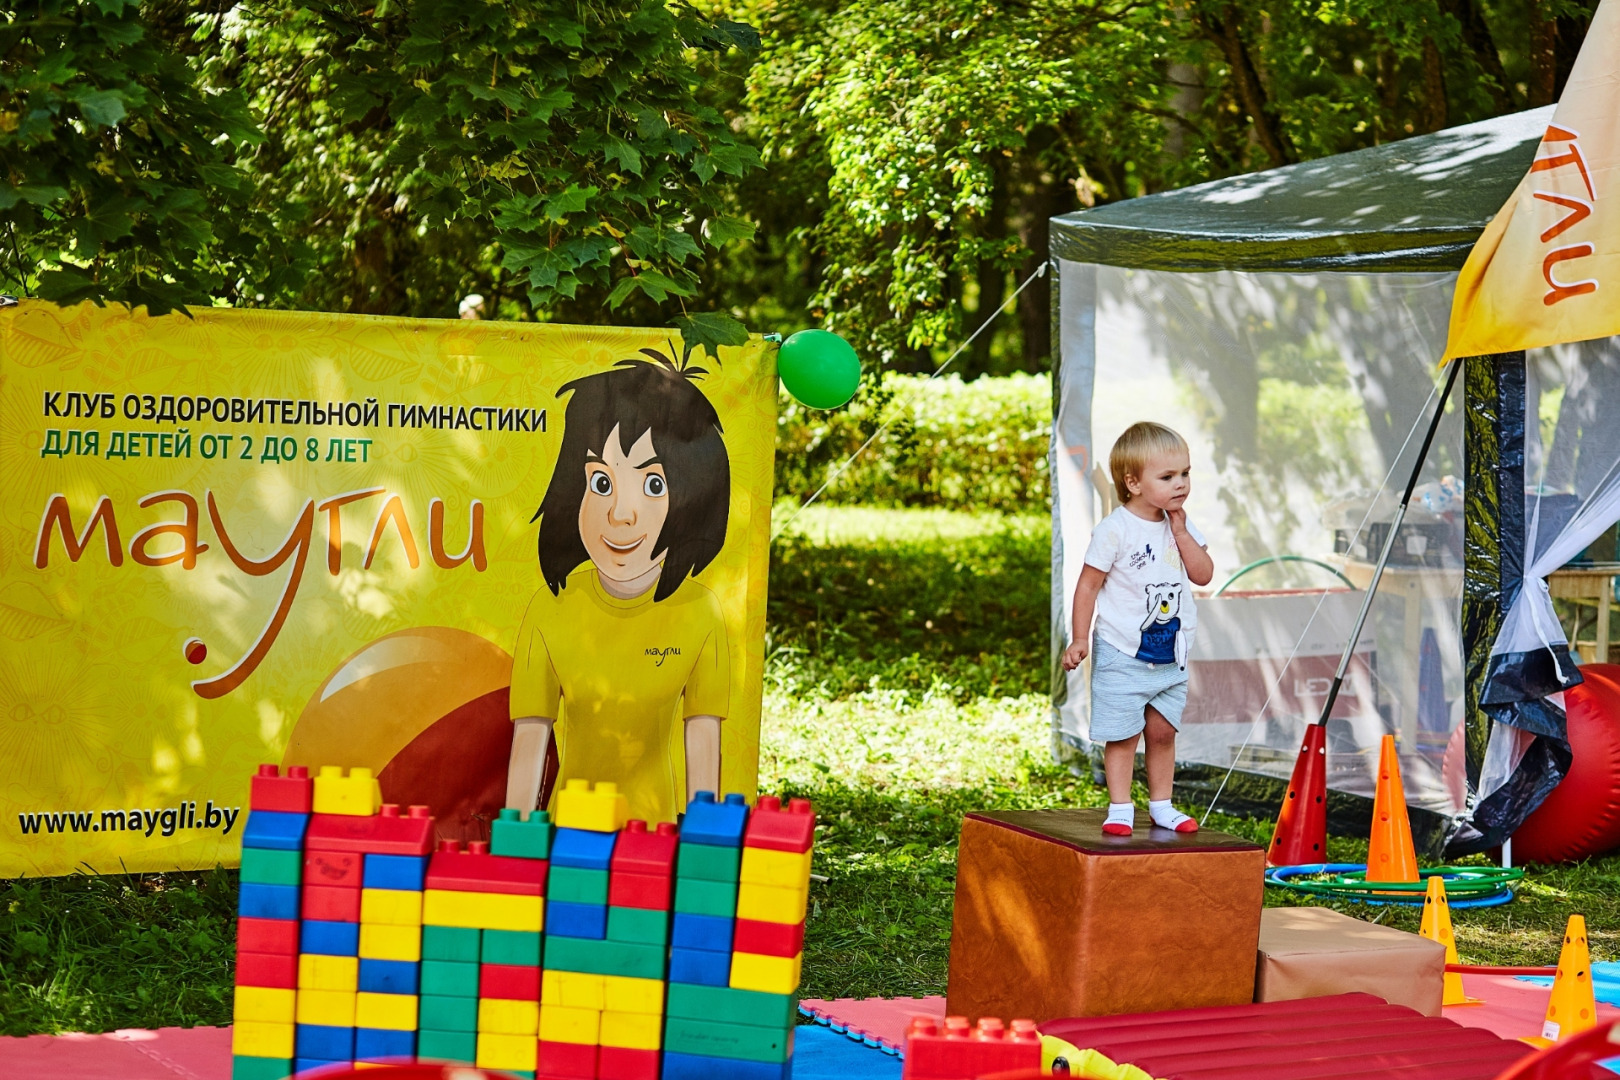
column 1543, row 55
column 1389, row 97
column 992, row 277
column 1223, row 30
column 1434, row 87
column 1477, row 38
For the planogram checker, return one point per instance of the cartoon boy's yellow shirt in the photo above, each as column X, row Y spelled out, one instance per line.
column 619, row 676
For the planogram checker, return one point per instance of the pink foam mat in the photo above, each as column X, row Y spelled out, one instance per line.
column 200, row 1053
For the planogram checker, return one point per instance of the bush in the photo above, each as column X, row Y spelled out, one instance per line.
column 977, row 445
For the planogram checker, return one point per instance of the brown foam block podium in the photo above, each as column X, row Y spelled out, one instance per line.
column 1054, row 919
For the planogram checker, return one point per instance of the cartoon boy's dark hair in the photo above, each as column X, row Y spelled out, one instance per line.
column 638, row 396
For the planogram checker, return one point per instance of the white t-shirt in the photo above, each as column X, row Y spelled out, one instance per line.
column 1145, row 609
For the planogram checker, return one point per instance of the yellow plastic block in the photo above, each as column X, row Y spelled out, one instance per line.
column 260, row 1038
column 574, row 989
column 355, row 795
column 482, row 911
column 391, row 1012
column 771, row 903
column 265, row 1004
column 507, row 1017
column 559, row 1023
column 316, row 972
column 602, row 809
column 783, row 869
column 515, row 1052
column 333, row 1008
column 391, row 907
column 621, row 993
column 379, row 941
column 634, row 1031
column 768, row 974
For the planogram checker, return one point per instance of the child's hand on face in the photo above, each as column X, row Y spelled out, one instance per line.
column 1074, row 654
column 1178, row 520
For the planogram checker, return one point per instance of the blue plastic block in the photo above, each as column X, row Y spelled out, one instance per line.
column 710, row 933
column 586, row 850
column 325, row 1043
column 276, row 829
column 302, row 1065
column 701, row 1067
column 329, row 938
column 576, row 920
column 256, row 901
column 388, row 976
column 371, row 1044
column 719, row 824
column 402, row 872
column 700, row 967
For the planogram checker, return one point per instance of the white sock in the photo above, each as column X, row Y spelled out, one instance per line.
column 1121, row 813
column 1164, row 815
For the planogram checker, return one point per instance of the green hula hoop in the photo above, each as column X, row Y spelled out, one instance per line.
column 1466, row 886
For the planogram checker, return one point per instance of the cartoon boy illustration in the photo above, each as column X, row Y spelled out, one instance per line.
column 622, row 646
column 1162, row 639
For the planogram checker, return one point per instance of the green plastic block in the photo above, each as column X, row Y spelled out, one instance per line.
column 460, row 1047
column 450, row 943
column 706, row 862
column 694, row 896
column 531, row 839
column 511, row 947
column 604, row 957
column 439, row 1012
column 577, row 886
column 740, row 1042
column 447, row 978
column 262, row 866
column 257, row 1068
column 728, row 1006
column 638, row 926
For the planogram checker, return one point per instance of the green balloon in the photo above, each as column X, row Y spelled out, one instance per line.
column 819, row 368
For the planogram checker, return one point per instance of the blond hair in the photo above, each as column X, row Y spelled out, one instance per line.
column 1132, row 449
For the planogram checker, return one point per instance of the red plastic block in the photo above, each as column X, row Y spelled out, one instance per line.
column 643, row 891
column 768, row 938
column 956, row 1051
column 566, row 1061
column 341, row 868
column 770, row 826
column 278, row 936
column 511, row 982
column 622, row 1063
column 641, row 852
column 331, row 903
column 476, row 870
column 385, row 834
column 279, row 970
column 292, row 793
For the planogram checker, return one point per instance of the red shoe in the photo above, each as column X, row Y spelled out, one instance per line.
column 1188, row 826
column 1119, row 828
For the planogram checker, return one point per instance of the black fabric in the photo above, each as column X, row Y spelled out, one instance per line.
column 1527, row 677
column 1495, row 819
column 1417, row 204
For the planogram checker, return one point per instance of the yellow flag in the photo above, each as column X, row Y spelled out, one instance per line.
column 1547, row 269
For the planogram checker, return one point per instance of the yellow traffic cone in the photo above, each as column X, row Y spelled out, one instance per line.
column 1436, row 926
column 1390, row 854
column 1572, row 1008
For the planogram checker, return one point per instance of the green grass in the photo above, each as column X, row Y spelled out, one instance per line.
column 895, row 728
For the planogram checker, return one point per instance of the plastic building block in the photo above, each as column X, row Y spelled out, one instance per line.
column 768, row 938
column 355, row 795
column 623, row 1063
column 305, row 1065
column 331, row 938
column 565, row 1024
column 623, row 994
column 604, row 957
column 730, row 1006
column 576, row 920
column 328, row 973
column 259, row 1038
column 602, row 809
column 256, row 901
column 735, row 1042
column 271, row 866
column 449, row 1014
column 264, row 1004
column 267, row 935
column 702, row 968
column 508, row 1052
column 267, row 969
column 709, row 862
column 513, row 835
column 633, row 1031
column 379, row 941
column 767, row 974
column 772, row 826
column 954, row 1049
column 694, row 896
column 583, row 848
column 643, row 851
column 766, row 866
column 269, row 790
column 678, row 1066
column 510, row 981
column 337, row 868
column 393, row 1012
column 453, row 1046
column 638, row 926
column 510, row 947
column 711, row 933
column 508, row 1016
column 391, row 907
column 645, row 891
column 325, row 1008
column 769, row 903
column 476, row 870
column 258, row 1068
column 275, row 829
column 572, row 885
column 376, row 1044
column 567, row 1061
column 450, row 943
column 387, row 833
column 719, row 824
column 331, row 904
column 574, row 989
column 449, row 978
column 404, row 872
column 389, row 976
column 483, row 911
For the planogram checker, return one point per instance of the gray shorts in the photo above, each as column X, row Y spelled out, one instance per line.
column 1122, row 687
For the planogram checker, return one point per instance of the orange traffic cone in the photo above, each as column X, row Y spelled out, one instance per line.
column 1390, row 855
column 1572, row 1008
column 1436, row 926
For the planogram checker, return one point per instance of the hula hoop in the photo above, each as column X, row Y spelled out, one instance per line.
column 1466, row 886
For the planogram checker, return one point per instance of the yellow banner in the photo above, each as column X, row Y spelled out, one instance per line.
column 257, row 536
column 1546, row 269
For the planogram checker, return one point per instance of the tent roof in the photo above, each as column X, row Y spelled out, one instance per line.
column 1417, row 204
